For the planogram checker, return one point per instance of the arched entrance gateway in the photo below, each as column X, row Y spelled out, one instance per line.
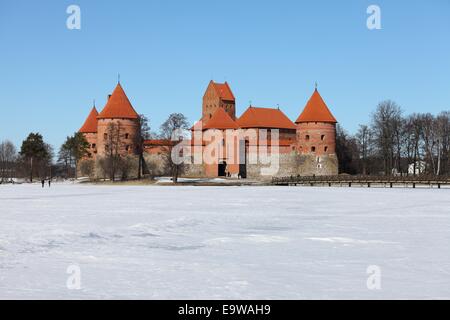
column 222, row 170
column 243, row 155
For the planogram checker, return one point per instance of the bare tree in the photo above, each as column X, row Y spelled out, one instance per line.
column 140, row 139
column 175, row 123
column 113, row 146
column 347, row 151
column 429, row 141
column 364, row 140
column 8, row 157
column 443, row 142
column 386, row 121
column 87, row 168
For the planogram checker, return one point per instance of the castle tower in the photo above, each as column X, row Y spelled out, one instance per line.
column 218, row 95
column 225, row 161
column 119, row 111
column 316, row 128
column 89, row 130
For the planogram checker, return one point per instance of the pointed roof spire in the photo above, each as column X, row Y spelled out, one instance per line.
column 316, row 110
column 118, row 106
column 90, row 125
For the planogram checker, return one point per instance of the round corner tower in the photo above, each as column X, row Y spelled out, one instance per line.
column 89, row 130
column 118, row 123
column 316, row 136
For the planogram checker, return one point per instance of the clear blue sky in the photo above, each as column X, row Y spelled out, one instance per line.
column 271, row 52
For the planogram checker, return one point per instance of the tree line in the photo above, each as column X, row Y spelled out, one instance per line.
column 34, row 159
column 396, row 144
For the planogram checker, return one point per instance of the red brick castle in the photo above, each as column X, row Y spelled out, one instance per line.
column 306, row 147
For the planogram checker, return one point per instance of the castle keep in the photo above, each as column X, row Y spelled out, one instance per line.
column 306, row 147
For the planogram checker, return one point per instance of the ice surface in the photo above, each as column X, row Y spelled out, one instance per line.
column 168, row 242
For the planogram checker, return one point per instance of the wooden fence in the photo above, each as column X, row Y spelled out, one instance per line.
column 363, row 181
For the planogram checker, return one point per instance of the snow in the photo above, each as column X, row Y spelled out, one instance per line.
column 160, row 180
column 191, row 242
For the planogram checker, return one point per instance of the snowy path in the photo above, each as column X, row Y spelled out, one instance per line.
column 155, row 242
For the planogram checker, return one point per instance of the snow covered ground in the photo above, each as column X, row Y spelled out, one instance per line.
column 155, row 242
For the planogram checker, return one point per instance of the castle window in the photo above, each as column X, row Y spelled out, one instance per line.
column 127, row 148
column 93, row 146
column 313, row 149
column 326, row 149
column 126, row 135
column 307, row 137
column 322, row 137
column 105, row 136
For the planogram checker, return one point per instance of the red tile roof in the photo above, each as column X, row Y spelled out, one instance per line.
column 220, row 120
column 223, row 91
column 118, row 106
column 159, row 143
column 90, row 125
column 316, row 111
column 265, row 118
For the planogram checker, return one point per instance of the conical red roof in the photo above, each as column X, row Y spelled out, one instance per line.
column 118, row 106
column 90, row 125
column 220, row 120
column 316, row 111
column 265, row 118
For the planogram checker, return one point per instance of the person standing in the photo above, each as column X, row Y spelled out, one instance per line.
column 49, row 182
column 43, row 183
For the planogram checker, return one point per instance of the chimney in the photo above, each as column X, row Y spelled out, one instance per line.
column 109, row 96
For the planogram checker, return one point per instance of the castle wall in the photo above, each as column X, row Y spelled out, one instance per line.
column 314, row 165
column 293, row 164
column 91, row 138
column 194, row 171
column 129, row 131
column 156, row 163
column 318, row 138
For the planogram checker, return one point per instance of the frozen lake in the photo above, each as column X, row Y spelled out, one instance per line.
column 154, row 242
